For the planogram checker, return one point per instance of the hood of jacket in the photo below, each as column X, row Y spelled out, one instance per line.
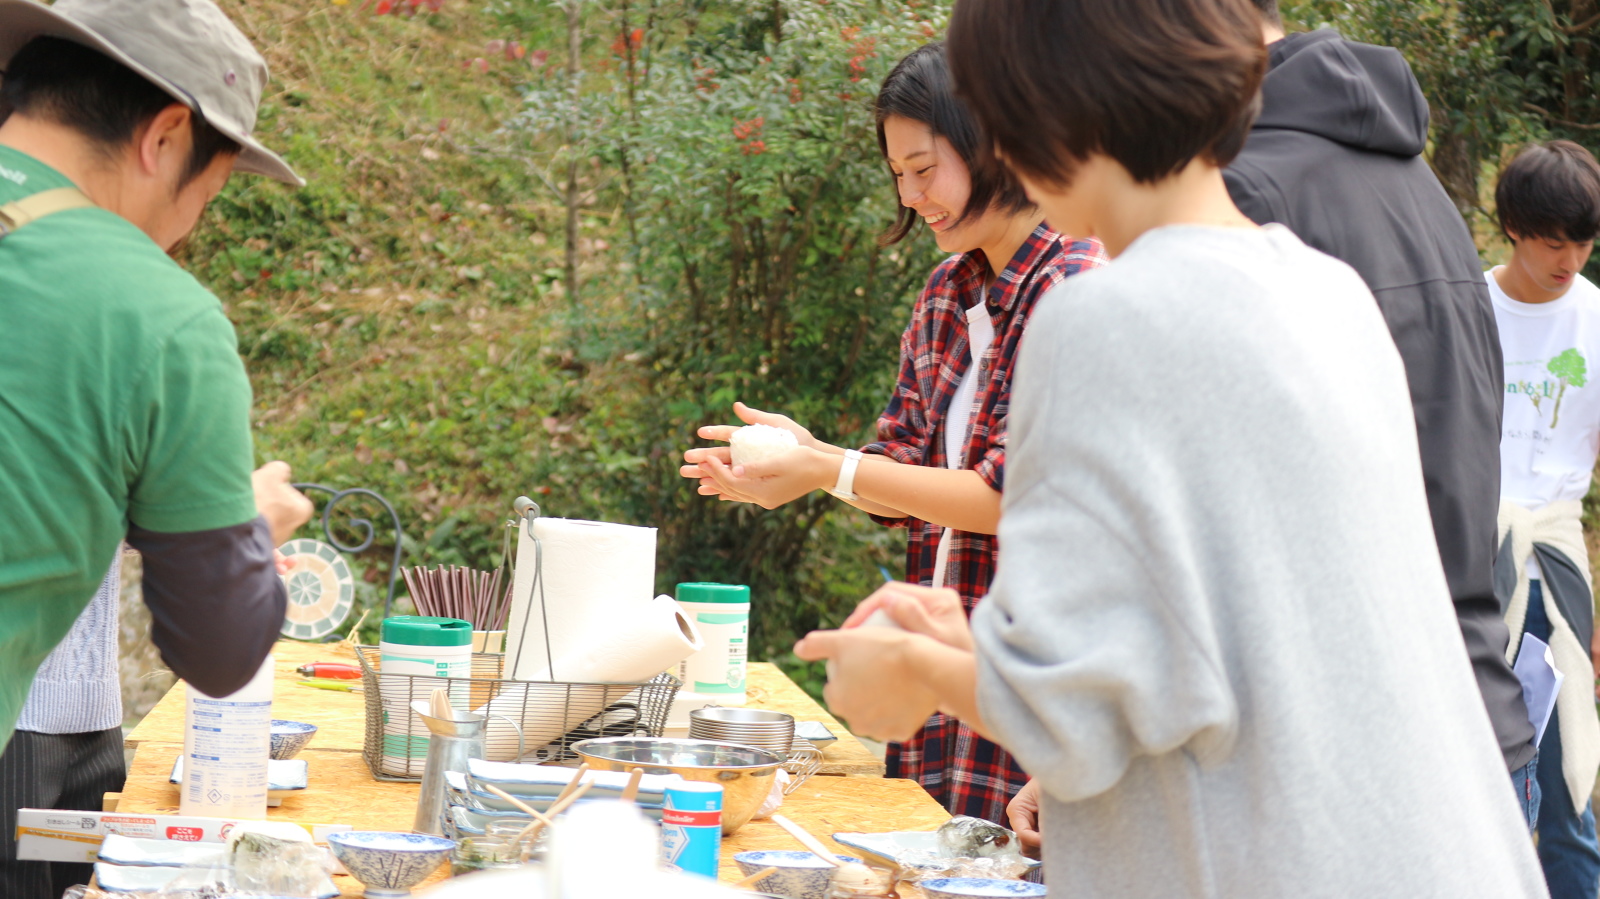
column 1359, row 95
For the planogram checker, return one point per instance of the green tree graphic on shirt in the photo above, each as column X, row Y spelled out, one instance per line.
column 1571, row 369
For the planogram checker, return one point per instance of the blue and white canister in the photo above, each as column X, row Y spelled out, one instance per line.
column 691, row 827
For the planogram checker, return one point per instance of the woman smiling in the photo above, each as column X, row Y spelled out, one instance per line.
column 938, row 466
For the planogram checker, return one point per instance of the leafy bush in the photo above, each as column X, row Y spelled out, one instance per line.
column 746, row 167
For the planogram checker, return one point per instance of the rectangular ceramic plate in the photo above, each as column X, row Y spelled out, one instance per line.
column 127, row 879
column 474, row 821
column 814, row 732
column 889, row 847
column 460, row 790
column 117, row 849
column 546, row 781
column 284, row 776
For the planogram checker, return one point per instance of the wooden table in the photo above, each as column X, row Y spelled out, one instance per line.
column 341, row 790
column 341, row 717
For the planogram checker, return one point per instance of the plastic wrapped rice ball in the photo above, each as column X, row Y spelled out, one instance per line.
column 757, row 443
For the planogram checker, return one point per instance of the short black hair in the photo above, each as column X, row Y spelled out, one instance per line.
column 1153, row 84
column 1550, row 190
column 67, row 83
column 920, row 89
column 1269, row 11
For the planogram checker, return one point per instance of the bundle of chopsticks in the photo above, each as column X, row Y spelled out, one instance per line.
column 457, row 592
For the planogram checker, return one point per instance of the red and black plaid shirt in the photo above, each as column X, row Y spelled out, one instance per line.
column 966, row 773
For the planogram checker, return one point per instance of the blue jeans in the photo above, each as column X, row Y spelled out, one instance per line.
column 1567, row 848
column 1525, row 782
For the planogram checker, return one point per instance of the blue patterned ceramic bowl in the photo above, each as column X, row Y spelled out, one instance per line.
column 979, row 888
column 389, row 864
column 289, row 737
column 800, row 875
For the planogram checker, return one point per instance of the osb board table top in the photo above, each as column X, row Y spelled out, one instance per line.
column 768, row 688
column 340, row 790
column 341, row 717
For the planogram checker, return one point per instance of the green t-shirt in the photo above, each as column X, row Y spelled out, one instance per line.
column 122, row 400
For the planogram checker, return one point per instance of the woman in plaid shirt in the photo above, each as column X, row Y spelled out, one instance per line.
column 946, row 423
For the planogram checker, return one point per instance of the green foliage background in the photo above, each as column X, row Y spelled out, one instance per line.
column 405, row 317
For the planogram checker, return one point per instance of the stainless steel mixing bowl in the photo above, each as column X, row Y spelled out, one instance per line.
column 744, row 772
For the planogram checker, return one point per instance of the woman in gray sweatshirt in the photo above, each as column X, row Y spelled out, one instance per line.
column 1220, row 637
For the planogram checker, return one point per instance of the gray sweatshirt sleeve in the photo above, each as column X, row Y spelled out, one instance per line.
column 1086, row 658
column 215, row 600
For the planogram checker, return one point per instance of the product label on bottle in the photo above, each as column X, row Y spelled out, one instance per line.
column 691, row 828
column 720, row 667
column 225, row 773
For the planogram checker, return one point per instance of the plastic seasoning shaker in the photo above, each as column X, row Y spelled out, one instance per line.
column 226, row 743
column 691, row 827
column 722, row 613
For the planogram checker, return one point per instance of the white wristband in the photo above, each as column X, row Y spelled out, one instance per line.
column 845, row 489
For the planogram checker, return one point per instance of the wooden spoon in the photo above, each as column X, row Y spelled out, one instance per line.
column 441, row 704
column 573, row 783
column 807, row 840
column 630, row 793
column 751, row 880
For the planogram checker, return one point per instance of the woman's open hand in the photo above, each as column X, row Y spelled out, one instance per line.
column 698, row 456
column 757, row 417
column 775, row 481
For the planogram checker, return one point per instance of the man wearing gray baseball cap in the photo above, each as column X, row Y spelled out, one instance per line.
column 124, row 406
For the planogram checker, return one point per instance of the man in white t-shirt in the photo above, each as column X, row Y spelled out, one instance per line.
column 1548, row 202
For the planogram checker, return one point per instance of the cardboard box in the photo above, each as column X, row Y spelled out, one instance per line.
column 51, row 835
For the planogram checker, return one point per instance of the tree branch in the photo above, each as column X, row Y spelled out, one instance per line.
column 1556, row 120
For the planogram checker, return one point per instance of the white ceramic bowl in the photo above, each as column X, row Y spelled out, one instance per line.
column 979, row 888
column 389, row 864
column 289, row 737
column 800, row 875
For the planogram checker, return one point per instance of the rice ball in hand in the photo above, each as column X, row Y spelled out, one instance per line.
column 757, row 443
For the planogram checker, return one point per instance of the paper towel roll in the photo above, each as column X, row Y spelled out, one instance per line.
column 633, row 650
column 595, row 575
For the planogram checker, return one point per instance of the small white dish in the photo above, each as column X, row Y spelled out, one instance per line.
column 547, row 781
column 117, row 849
column 134, row 879
column 891, row 848
column 815, row 732
column 980, row 888
column 475, row 821
column 284, row 776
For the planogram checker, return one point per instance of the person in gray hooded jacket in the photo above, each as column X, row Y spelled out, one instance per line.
column 1336, row 155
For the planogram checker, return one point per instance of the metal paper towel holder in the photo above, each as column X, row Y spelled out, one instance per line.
column 527, row 510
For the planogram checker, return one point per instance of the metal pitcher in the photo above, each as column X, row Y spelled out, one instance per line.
column 451, row 742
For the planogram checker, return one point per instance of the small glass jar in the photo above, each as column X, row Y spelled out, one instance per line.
column 501, row 846
column 870, row 883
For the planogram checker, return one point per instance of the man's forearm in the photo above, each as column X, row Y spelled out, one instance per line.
column 216, row 601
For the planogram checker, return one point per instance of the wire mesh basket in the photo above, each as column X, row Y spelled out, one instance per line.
column 534, row 721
